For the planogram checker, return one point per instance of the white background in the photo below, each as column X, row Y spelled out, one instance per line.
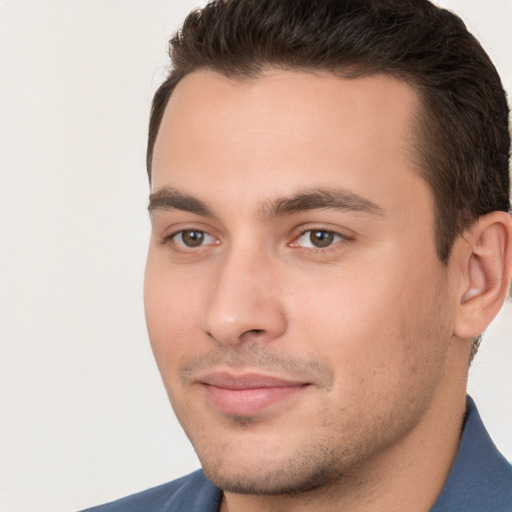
column 83, row 415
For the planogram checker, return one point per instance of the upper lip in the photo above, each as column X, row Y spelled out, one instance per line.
column 248, row 380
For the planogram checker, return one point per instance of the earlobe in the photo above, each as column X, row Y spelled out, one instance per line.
column 488, row 267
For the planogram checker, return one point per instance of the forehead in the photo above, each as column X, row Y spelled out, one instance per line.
column 286, row 129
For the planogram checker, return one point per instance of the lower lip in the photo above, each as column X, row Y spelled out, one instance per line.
column 245, row 402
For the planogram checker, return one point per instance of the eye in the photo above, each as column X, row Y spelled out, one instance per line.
column 191, row 238
column 318, row 239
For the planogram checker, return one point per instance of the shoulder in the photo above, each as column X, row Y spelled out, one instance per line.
column 193, row 492
column 481, row 478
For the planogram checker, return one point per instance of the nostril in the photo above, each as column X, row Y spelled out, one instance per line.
column 253, row 334
column 232, row 320
column 245, row 336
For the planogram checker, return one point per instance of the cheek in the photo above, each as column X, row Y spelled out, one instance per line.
column 172, row 311
column 374, row 326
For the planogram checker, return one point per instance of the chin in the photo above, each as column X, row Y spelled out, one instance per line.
column 268, row 482
column 302, row 472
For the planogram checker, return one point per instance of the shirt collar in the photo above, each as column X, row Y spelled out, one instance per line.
column 480, row 478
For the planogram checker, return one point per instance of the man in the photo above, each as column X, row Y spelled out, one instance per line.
column 330, row 237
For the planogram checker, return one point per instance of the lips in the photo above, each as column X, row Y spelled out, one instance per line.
column 249, row 393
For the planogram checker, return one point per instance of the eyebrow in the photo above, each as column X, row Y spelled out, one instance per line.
column 323, row 198
column 168, row 198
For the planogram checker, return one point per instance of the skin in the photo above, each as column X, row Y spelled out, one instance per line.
column 365, row 324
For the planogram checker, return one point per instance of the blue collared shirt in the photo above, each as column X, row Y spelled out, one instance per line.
column 480, row 481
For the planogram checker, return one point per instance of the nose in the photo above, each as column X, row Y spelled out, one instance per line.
column 245, row 303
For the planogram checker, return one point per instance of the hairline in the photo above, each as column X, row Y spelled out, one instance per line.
column 260, row 70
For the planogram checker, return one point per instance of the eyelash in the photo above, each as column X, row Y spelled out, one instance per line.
column 171, row 239
column 323, row 250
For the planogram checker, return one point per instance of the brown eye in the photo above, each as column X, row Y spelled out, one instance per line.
column 321, row 238
column 191, row 238
column 318, row 239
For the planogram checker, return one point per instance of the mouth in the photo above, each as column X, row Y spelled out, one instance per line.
column 249, row 393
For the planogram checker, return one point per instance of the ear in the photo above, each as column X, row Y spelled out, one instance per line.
column 486, row 263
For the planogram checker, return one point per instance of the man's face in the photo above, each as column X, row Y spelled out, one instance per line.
column 297, row 310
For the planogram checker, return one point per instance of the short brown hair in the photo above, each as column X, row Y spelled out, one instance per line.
column 462, row 142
